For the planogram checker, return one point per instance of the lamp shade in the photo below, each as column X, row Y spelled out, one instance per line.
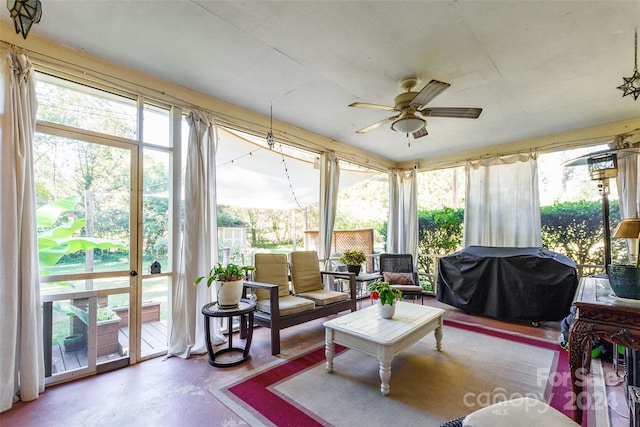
column 408, row 124
column 628, row 229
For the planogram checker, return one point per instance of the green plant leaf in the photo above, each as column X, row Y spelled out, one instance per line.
column 228, row 273
column 48, row 214
column 56, row 242
column 86, row 243
column 50, row 257
column 71, row 310
column 66, row 230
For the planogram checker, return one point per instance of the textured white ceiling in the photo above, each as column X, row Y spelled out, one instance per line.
column 537, row 68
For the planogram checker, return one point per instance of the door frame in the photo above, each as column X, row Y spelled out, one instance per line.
column 135, row 257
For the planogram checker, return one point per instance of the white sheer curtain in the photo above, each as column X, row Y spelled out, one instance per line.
column 329, row 183
column 502, row 206
column 21, row 351
column 199, row 242
column 402, row 230
column 627, row 183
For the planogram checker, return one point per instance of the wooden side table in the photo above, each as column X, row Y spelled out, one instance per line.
column 245, row 307
column 363, row 280
column 600, row 314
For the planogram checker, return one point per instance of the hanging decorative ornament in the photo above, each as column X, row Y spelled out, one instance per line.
column 631, row 85
column 24, row 13
column 271, row 141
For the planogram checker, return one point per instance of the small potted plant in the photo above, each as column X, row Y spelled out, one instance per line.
column 353, row 259
column 385, row 296
column 229, row 282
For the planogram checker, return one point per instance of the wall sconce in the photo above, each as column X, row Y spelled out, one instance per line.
column 24, row 13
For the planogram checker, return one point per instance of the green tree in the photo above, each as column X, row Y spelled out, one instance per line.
column 226, row 218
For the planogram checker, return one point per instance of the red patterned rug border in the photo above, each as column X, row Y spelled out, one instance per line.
column 255, row 391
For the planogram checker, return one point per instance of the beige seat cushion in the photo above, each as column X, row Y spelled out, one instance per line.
column 407, row 288
column 288, row 305
column 272, row 269
column 305, row 272
column 324, row 296
column 523, row 411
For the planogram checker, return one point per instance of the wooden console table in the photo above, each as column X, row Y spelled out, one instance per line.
column 600, row 314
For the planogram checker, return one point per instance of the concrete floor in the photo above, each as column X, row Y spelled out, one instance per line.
column 173, row 391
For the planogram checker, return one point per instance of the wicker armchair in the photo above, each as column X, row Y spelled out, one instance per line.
column 401, row 273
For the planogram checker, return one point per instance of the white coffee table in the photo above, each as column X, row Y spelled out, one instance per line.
column 364, row 330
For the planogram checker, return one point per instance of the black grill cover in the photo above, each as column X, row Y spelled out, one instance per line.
column 532, row 284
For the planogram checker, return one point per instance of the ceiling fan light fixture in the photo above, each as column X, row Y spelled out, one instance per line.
column 408, row 124
column 410, row 103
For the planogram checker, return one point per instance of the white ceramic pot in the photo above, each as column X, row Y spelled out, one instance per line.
column 229, row 293
column 386, row 311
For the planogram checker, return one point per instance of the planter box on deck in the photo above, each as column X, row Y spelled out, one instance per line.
column 150, row 313
column 107, row 336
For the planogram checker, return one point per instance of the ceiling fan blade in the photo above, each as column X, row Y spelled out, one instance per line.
column 420, row 133
column 372, row 106
column 430, row 91
column 377, row 124
column 462, row 112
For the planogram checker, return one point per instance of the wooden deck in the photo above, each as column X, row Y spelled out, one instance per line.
column 67, row 360
column 154, row 340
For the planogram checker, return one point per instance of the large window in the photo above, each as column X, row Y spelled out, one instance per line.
column 70, row 104
column 571, row 211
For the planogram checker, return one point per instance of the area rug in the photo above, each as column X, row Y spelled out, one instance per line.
column 476, row 367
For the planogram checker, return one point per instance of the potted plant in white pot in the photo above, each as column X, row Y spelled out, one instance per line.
column 385, row 297
column 228, row 283
column 353, row 259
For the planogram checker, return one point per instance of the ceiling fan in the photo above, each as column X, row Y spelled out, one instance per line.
column 408, row 103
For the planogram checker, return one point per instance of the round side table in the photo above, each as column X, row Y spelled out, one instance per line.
column 245, row 307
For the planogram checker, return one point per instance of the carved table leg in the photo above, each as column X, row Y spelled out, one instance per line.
column 329, row 349
column 580, row 339
column 385, row 376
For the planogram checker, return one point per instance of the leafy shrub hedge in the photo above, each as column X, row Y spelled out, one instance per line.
column 571, row 228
